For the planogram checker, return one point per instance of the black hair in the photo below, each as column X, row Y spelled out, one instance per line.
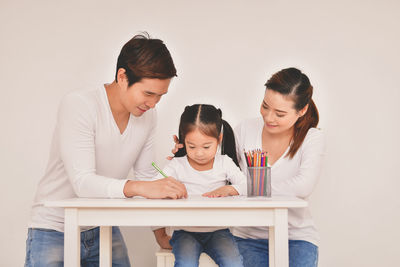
column 208, row 119
column 293, row 83
column 144, row 57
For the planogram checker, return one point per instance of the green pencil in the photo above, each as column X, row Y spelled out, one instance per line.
column 158, row 169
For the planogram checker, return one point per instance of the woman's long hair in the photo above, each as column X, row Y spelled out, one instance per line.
column 293, row 83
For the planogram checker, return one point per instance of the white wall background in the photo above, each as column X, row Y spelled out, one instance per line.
column 224, row 52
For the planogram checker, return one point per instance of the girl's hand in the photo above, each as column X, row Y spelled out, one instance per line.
column 176, row 148
column 162, row 238
column 223, row 191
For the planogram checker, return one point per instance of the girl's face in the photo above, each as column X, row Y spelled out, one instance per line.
column 200, row 150
column 278, row 112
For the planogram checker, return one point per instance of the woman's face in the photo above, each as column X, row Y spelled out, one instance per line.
column 278, row 112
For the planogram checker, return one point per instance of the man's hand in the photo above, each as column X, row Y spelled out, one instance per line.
column 223, row 191
column 162, row 188
column 176, row 148
column 162, row 238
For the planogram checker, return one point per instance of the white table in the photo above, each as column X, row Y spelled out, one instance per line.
column 194, row 211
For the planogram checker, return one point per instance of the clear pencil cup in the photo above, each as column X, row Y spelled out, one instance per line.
column 259, row 181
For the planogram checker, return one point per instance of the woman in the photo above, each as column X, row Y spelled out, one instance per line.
column 286, row 130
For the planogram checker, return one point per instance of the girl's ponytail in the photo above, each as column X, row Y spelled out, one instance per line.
column 228, row 144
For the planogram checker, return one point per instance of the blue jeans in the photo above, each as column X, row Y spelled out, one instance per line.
column 255, row 253
column 45, row 248
column 219, row 245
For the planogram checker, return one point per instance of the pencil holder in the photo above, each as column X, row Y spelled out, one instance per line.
column 259, row 181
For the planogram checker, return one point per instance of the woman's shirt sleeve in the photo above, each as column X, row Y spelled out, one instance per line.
column 312, row 152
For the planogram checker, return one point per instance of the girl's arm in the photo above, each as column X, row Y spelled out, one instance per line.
column 162, row 238
column 235, row 176
column 223, row 191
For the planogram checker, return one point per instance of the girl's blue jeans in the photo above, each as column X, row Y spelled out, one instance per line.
column 219, row 245
column 255, row 253
column 45, row 248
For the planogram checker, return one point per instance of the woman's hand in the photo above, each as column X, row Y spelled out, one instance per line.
column 223, row 191
column 162, row 238
column 176, row 148
column 162, row 188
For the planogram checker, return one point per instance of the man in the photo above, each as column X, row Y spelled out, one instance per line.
column 100, row 135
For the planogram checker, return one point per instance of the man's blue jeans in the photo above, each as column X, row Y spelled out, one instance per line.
column 255, row 253
column 219, row 245
column 45, row 248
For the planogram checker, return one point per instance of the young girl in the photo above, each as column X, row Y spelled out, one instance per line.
column 205, row 172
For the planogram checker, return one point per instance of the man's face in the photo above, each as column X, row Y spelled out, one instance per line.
column 143, row 95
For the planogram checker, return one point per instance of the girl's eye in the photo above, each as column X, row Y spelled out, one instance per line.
column 265, row 107
column 206, row 147
column 280, row 115
column 191, row 147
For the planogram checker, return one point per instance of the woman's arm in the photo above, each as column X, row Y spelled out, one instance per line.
column 176, row 147
column 312, row 154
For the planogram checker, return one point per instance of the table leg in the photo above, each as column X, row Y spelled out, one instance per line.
column 271, row 245
column 105, row 246
column 281, row 238
column 72, row 239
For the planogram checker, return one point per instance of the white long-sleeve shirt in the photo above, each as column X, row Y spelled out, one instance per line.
column 199, row 182
column 89, row 157
column 291, row 177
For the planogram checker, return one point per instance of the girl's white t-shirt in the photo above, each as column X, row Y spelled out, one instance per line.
column 290, row 177
column 199, row 182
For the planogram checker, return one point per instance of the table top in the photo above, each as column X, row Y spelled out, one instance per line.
column 190, row 202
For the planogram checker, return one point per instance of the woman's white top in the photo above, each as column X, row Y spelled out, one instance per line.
column 291, row 177
column 89, row 157
column 224, row 170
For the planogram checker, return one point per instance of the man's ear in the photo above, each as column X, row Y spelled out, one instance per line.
column 121, row 76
